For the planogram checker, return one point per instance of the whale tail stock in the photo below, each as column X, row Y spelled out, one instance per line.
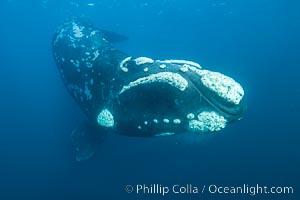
column 86, row 139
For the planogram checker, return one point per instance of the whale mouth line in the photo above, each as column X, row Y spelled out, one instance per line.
column 173, row 79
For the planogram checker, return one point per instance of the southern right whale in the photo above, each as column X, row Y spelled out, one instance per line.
column 138, row 96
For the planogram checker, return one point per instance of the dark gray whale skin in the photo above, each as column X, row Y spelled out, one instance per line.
column 138, row 96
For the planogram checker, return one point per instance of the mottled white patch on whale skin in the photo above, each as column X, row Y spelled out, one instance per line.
column 76, row 90
column 170, row 78
column 89, row 65
column 77, row 30
column 87, row 93
column 96, row 54
column 59, row 36
column 76, row 63
column 105, row 118
column 73, row 45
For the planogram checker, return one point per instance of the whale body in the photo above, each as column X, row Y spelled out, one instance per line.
column 138, row 96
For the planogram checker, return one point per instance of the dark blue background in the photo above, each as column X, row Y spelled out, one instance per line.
column 256, row 42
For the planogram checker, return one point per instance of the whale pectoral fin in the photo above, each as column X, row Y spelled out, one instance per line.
column 85, row 140
column 113, row 37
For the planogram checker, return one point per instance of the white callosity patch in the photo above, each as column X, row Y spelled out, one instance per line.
column 122, row 64
column 143, row 60
column 224, row 86
column 190, row 116
column 105, row 118
column 146, row 69
column 77, row 30
column 166, row 121
column 176, row 121
column 170, row 78
column 207, row 121
column 162, row 66
column 184, row 68
column 198, row 71
column 181, row 62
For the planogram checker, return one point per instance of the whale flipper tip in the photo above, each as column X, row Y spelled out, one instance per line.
column 85, row 140
column 114, row 37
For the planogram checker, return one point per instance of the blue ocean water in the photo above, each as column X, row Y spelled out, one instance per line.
column 256, row 42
